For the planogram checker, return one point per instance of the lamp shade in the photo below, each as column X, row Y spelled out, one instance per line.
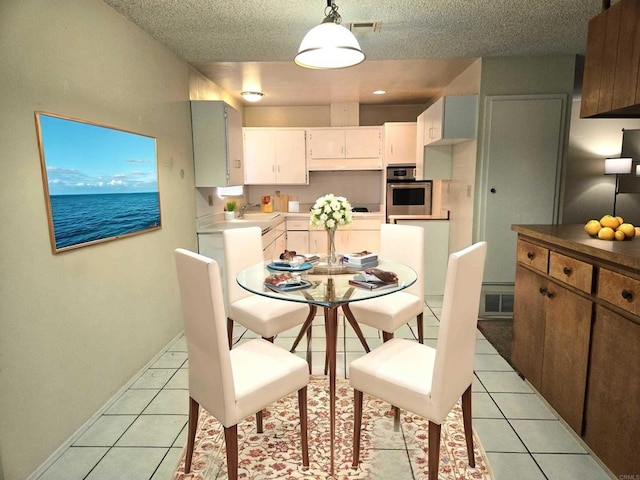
column 329, row 45
column 637, row 170
column 614, row 166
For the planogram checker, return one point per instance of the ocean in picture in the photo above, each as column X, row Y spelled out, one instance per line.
column 85, row 218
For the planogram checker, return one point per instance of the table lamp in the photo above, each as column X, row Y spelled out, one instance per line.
column 617, row 166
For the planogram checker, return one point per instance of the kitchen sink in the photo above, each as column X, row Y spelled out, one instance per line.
column 256, row 216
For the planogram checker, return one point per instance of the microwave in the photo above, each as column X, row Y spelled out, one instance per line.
column 405, row 195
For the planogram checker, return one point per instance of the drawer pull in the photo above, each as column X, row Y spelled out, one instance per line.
column 627, row 295
column 542, row 291
column 530, row 255
column 566, row 271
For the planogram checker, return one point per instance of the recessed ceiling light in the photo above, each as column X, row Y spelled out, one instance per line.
column 379, row 92
column 252, row 96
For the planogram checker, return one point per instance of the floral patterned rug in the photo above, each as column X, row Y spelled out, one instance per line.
column 385, row 454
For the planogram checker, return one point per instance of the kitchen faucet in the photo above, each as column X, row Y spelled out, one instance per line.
column 244, row 208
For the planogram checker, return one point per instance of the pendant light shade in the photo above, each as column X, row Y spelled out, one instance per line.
column 329, row 45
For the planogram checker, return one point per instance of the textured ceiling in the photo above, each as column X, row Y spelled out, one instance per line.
column 231, row 41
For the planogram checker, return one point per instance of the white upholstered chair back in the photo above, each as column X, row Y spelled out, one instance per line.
column 242, row 248
column 404, row 244
column 210, row 375
column 453, row 368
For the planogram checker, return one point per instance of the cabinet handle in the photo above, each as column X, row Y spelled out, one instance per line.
column 542, row 291
column 566, row 271
column 530, row 255
column 627, row 295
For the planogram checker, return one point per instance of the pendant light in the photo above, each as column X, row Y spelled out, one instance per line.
column 329, row 45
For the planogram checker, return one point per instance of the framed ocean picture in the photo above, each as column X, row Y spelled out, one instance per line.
column 100, row 183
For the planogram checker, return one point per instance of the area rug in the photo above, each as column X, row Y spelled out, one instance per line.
column 385, row 454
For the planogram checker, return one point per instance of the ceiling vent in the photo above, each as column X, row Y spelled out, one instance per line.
column 364, row 27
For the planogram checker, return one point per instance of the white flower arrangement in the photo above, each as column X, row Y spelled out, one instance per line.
column 329, row 212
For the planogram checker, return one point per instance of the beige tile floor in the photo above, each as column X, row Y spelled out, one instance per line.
column 140, row 435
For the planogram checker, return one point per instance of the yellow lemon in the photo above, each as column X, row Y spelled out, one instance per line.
column 606, row 233
column 592, row 227
column 609, row 221
column 619, row 235
column 637, row 231
column 628, row 230
column 620, row 219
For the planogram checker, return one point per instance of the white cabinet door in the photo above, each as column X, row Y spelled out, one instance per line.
column 327, row 143
column 298, row 241
column 290, row 157
column 235, row 151
column 400, row 143
column 362, row 143
column 259, row 157
column 433, row 122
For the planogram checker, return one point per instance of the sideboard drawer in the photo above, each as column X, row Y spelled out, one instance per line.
column 533, row 255
column 571, row 271
column 297, row 224
column 621, row 291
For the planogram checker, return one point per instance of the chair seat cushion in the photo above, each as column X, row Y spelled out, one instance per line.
column 267, row 316
column 389, row 312
column 262, row 374
column 399, row 372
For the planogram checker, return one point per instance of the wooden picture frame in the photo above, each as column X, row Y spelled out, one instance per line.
column 100, row 183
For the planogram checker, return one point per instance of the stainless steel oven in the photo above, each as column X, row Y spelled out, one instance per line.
column 405, row 194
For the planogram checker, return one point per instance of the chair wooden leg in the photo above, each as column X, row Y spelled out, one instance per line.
column 357, row 427
column 309, row 338
column 396, row 419
column 434, row 450
column 230, row 331
column 386, row 336
column 259, row 427
column 420, row 321
column 302, row 407
column 468, row 430
column 356, row 328
column 194, row 411
column 231, row 441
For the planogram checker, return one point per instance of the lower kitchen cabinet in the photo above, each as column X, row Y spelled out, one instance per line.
column 612, row 428
column 577, row 335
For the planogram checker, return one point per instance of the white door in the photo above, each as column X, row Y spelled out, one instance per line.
column 291, row 157
column 520, row 171
column 259, row 157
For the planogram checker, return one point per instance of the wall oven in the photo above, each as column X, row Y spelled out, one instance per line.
column 405, row 194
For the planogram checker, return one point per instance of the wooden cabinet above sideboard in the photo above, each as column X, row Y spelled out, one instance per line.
column 611, row 86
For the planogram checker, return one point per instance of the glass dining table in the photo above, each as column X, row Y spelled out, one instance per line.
column 326, row 286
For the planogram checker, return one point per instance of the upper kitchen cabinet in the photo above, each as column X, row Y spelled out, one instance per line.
column 275, row 156
column 610, row 86
column 217, row 144
column 451, row 119
column 355, row 148
column 400, row 143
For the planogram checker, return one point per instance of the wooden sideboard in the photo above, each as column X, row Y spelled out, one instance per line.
column 576, row 330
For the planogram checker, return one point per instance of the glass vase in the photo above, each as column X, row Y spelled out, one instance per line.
column 331, row 246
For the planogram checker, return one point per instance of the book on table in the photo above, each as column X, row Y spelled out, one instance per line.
column 366, row 280
column 360, row 260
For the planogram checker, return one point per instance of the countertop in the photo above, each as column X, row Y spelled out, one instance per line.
column 573, row 237
column 213, row 224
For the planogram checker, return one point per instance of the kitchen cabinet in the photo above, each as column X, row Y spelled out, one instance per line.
column 298, row 235
column 400, row 143
column 552, row 326
column 451, row 119
column 610, row 86
column 355, row 148
column 360, row 234
column 274, row 241
column 275, row 156
column 577, row 334
column 217, row 144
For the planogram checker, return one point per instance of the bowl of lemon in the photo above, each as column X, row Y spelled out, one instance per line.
column 611, row 228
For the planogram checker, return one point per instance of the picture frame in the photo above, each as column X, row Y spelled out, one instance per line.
column 100, row 183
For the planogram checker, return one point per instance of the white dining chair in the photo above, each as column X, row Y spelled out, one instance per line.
column 403, row 244
column 425, row 380
column 230, row 384
column 264, row 316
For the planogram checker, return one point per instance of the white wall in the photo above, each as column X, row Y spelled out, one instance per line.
column 75, row 327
